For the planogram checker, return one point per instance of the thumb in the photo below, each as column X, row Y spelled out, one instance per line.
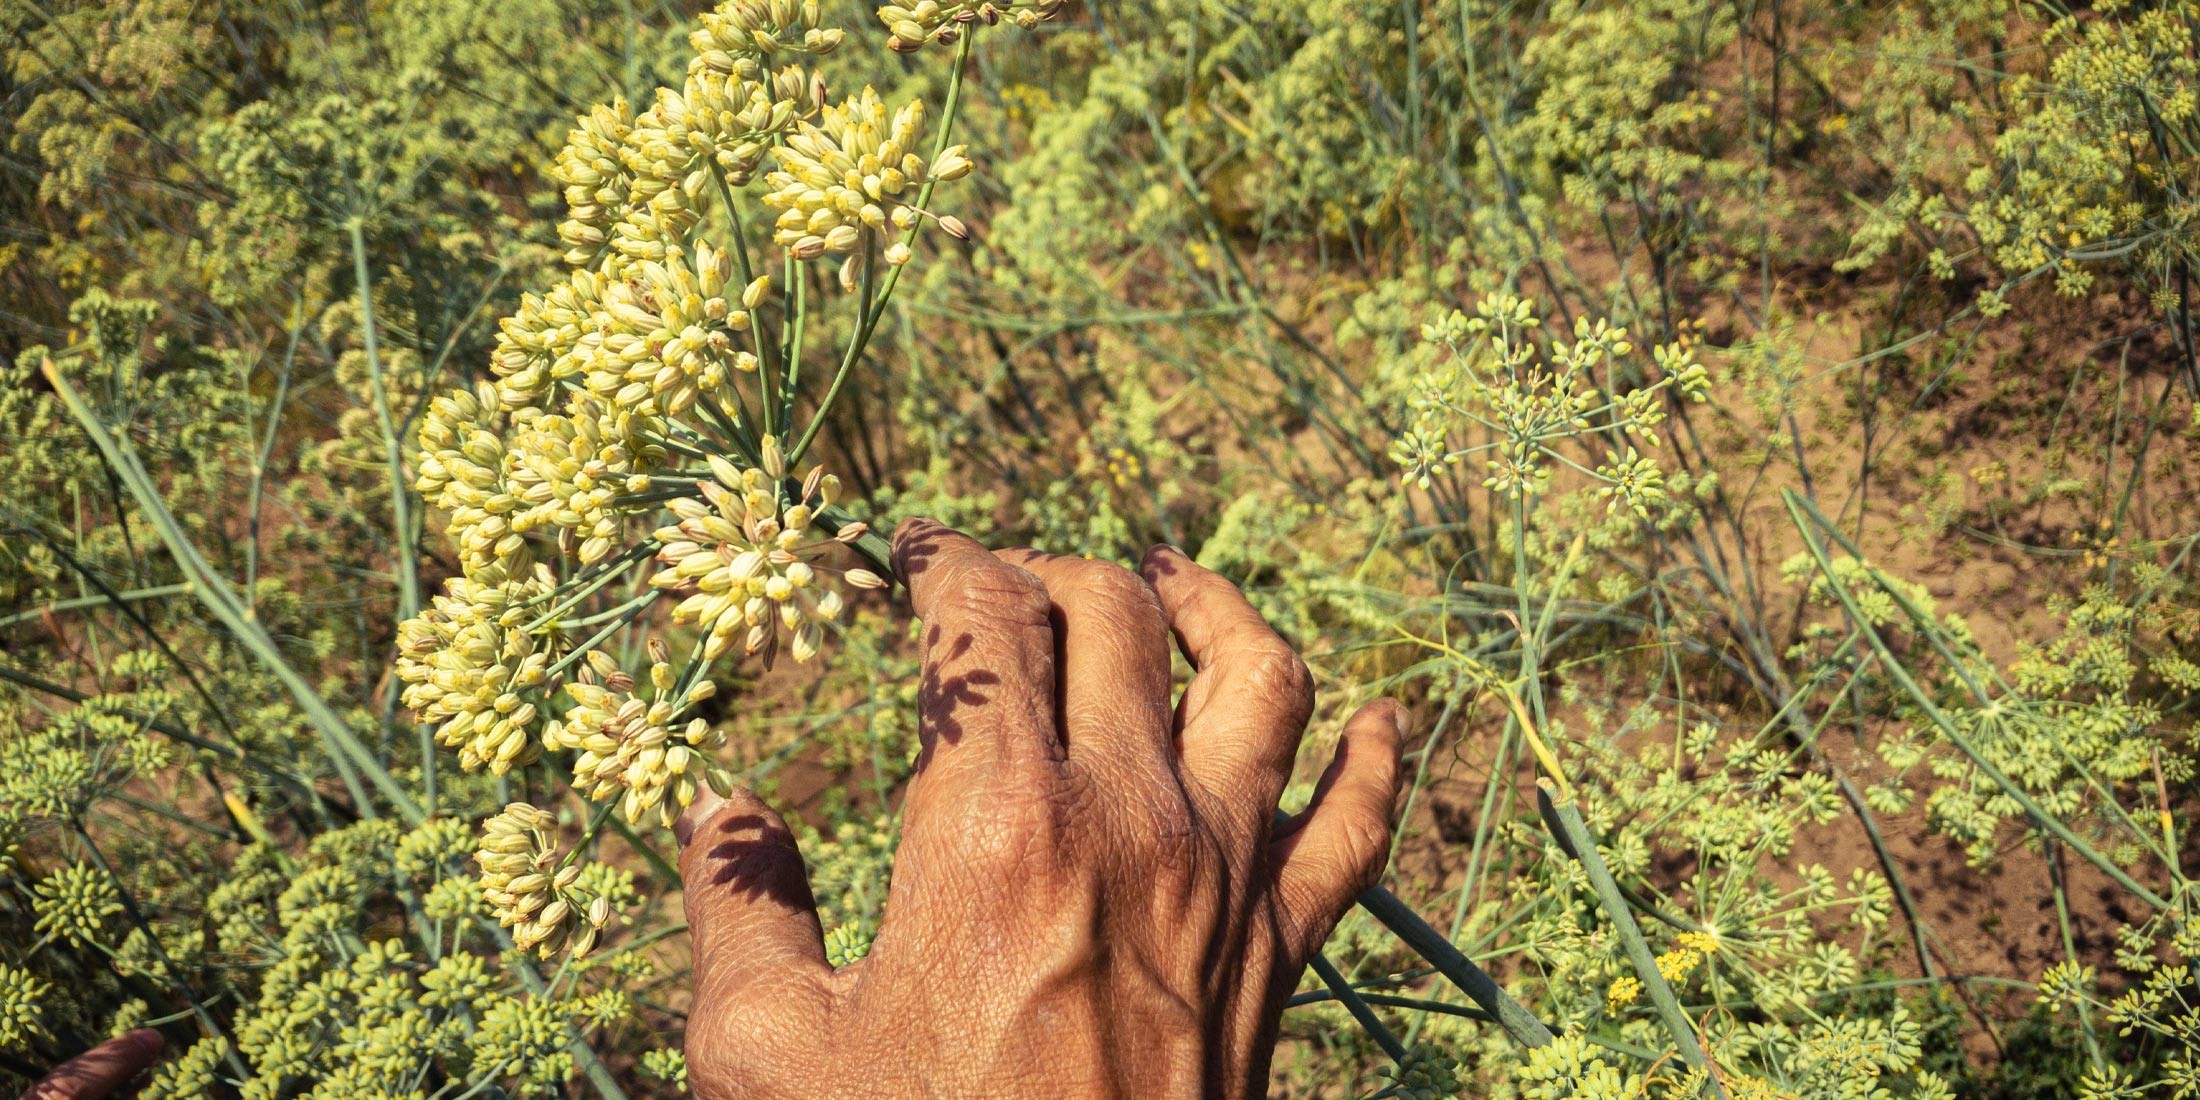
column 749, row 908
column 101, row 1071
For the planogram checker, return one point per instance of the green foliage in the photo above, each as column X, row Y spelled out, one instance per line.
column 416, row 415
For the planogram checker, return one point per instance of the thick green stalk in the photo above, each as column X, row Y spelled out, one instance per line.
column 393, row 458
column 408, row 563
column 1614, row 903
column 1453, row 964
column 351, row 758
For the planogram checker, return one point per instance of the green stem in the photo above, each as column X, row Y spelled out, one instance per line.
column 94, row 601
column 1614, row 903
column 408, row 565
column 401, row 538
column 1439, row 952
column 351, row 758
column 1357, row 1005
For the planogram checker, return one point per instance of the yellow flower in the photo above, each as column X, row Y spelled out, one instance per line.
column 1674, row 965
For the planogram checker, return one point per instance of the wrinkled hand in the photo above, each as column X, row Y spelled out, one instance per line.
column 1091, row 897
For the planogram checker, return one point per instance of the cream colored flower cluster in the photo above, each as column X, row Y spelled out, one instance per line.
column 536, row 345
column 461, row 471
column 746, row 556
column 669, row 333
column 532, row 890
column 634, row 183
column 765, row 26
column 470, row 670
column 913, row 25
column 638, row 750
column 846, row 178
column 568, row 472
column 661, row 373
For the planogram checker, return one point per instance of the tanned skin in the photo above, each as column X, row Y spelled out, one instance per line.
column 1091, row 897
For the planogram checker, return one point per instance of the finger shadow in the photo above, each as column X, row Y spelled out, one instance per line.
column 913, row 551
column 1168, row 565
column 757, row 858
column 941, row 697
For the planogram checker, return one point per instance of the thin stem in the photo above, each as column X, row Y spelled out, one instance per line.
column 408, row 565
column 352, row 760
column 1357, row 1005
column 1901, row 676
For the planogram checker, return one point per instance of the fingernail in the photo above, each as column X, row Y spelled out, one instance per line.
column 147, row 1040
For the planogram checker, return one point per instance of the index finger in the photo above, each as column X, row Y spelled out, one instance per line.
column 986, row 702
column 1242, row 714
column 101, row 1071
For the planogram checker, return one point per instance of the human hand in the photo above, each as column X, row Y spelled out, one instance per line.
column 102, row 1071
column 1091, row 897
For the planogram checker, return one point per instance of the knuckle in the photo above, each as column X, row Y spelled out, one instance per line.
column 1366, row 843
column 1112, row 584
column 996, row 592
column 1010, row 838
column 1210, row 597
column 750, row 1050
column 1276, row 672
column 723, row 1064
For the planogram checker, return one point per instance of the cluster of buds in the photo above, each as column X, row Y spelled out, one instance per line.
column 668, row 332
column 635, row 356
column 745, row 554
column 1493, row 370
column 468, row 667
column 597, row 181
column 536, row 345
column 639, row 746
column 462, row 472
column 22, row 1007
column 569, row 471
column 913, row 25
column 765, row 27
column 850, row 175
column 532, row 890
column 74, row 904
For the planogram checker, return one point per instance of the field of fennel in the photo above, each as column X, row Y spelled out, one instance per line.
column 439, row 437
